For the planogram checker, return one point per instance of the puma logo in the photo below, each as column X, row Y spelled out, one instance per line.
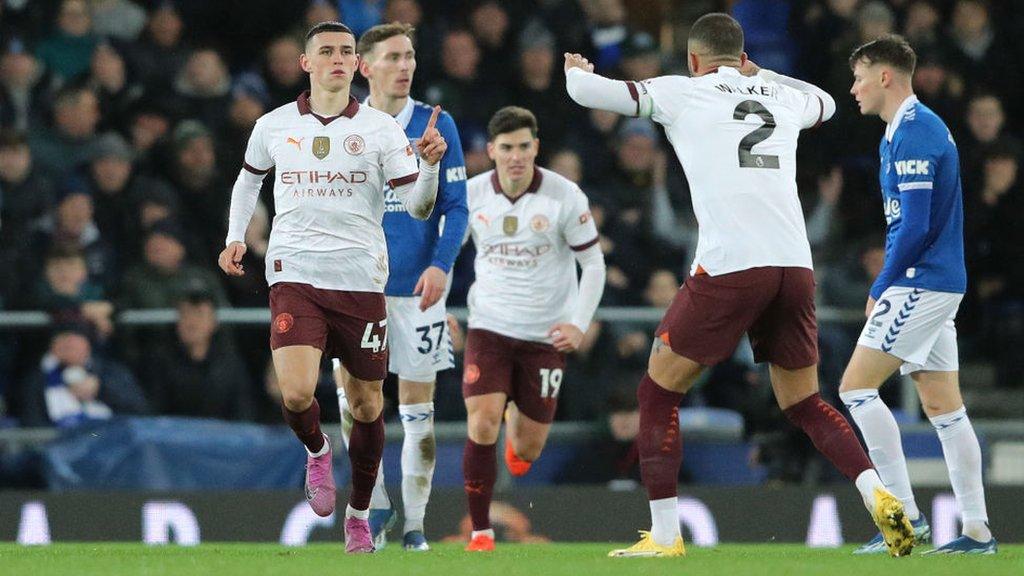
column 296, row 141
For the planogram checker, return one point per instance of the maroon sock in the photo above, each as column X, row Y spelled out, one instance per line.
column 306, row 425
column 365, row 448
column 659, row 442
column 479, row 471
column 830, row 433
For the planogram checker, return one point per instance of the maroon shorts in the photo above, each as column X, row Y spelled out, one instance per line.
column 774, row 305
column 529, row 373
column 351, row 326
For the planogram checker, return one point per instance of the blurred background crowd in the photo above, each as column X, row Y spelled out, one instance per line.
column 123, row 124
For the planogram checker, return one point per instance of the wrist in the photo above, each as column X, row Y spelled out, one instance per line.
column 441, row 265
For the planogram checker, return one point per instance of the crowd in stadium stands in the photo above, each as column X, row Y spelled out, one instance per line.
column 124, row 124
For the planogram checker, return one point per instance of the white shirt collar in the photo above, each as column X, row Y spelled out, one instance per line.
column 405, row 116
column 890, row 128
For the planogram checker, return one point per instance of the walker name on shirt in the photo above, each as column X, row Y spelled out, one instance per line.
column 765, row 90
column 912, row 167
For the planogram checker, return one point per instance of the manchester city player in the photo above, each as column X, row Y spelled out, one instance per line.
column 914, row 300
column 420, row 255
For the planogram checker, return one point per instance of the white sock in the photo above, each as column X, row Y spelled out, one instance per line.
column 882, row 436
column 866, row 483
column 323, row 449
column 488, row 532
column 351, row 512
column 963, row 459
column 665, row 521
column 418, row 458
column 379, row 498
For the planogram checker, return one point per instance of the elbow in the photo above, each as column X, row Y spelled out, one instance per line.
column 423, row 211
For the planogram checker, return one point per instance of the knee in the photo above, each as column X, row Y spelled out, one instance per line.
column 528, row 450
column 366, row 407
column 296, row 400
column 484, row 427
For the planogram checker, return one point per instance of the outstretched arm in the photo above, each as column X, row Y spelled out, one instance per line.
column 595, row 91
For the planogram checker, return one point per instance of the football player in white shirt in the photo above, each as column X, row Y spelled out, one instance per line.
column 735, row 129
column 530, row 227
column 327, row 260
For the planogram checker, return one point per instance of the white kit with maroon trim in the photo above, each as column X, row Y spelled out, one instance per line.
column 329, row 181
column 525, row 268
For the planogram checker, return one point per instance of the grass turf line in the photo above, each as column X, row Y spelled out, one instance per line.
column 230, row 559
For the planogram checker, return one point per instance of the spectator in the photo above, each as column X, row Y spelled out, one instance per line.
column 149, row 125
column 202, row 89
column 72, row 226
column 119, row 19
column 201, row 374
column 612, row 459
column 537, row 90
column 117, row 93
column 203, row 192
column 68, row 144
column 160, row 55
column 567, row 163
column 641, row 58
column 986, row 122
column 26, row 191
column 164, row 276
column 608, row 32
column 68, row 51
column 491, row 27
column 460, row 90
column 285, row 79
column 72, row 386
column 65, row 288
column 24, row 87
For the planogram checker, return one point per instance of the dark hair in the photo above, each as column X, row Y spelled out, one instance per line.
column 380, row 33
column 12, row 139
column 196, row 296
column 719, row 33
column 64, row 253
column 328, row 27
column 70, row 95
column 510, row 119
column 893, row 50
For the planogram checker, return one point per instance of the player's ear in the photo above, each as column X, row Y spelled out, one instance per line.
column 364, row 67
column 490, row 150
column 304, row 63
column 694, row 62
column 743, row 59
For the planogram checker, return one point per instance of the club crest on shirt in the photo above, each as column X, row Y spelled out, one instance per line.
column 510, row 225
column 355, row 144
column 539, row 223
column 321, row 147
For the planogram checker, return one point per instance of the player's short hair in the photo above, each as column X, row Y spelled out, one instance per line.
column 893, row 50
column 327, row 27
column 719, row 33
column 510, row 119
column 381, row 32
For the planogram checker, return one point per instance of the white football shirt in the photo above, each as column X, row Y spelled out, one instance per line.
column 329, row 181
column 736, row 138
column 525, row 270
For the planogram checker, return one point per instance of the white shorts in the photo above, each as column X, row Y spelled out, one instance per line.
column 916, row 326
column 419, row 342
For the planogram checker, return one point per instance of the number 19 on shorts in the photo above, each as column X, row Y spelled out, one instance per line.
column 550, row 382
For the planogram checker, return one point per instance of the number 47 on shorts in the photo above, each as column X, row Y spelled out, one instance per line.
column 375, row 340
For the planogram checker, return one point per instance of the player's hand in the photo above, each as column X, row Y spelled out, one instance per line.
column 869, row 307
column 565, row 337
column 577, row 61
column 230, row 259
column 430, row 287
column 749, row 68
column 431, row 145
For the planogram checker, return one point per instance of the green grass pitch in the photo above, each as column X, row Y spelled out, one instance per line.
column 509, row 560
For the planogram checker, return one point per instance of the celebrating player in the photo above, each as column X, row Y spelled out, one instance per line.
column 419, row 345
column 327, row 260
column 530, row 227
column 915, row 297
column 735, row 129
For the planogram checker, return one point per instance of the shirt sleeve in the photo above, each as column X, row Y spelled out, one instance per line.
column 258, row 159
column 578, row 224
column 452, row 196
column 397, row 157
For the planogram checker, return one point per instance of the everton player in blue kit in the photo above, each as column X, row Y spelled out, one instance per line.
column 420, row 256
column 914, row 300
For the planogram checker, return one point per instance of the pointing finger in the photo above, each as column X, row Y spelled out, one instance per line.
column 433, row 119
